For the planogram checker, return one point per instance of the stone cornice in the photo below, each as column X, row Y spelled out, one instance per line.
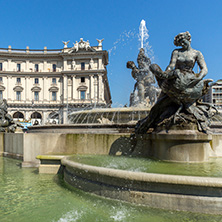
column 33, row 107
column 91, row 71
column 14, row 73
column 28, row 55
column 48, row 105
column 102, row 52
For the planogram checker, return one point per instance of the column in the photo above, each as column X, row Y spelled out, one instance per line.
column 100, row 88
column 91, row 89
column 25, row 90
column 65, row 93
column 28, row 89
column 41, row 93
column 45, row 89
column 11, row 92
column 6, row 88
column 45, row 66
column 100, row 63
column 65, row 66
column 95, row 88
column 65, row 85
column 26, row 115
column 74, row 87
column 44, row 117
column 69, row 88
column 9, row 65
column 61, row 89
column 27, row 66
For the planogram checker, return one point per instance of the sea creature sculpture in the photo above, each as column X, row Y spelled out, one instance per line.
column 182, row 89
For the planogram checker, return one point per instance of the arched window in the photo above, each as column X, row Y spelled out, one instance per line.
column 18, row 115
column 36, row 115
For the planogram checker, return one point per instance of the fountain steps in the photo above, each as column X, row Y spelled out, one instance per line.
column 49, row 164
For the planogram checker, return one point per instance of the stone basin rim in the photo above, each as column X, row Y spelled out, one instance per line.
column 146, row 177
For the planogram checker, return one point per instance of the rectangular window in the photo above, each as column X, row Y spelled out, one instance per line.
column 36, row 80
column 1, row 67
column 53, row 96
column 36, row 96
column 36, row 67
column 18, row 67
column 1, row 79
column 82, row 79
column 18, row 80
column 54, row 67
column 82, row 65
column 1, row 94
column 18, row 96
column 53, row 80
column 83, row 95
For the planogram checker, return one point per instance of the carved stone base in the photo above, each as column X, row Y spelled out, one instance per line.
column 176, row 145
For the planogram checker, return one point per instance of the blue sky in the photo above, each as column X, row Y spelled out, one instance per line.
column 39, row 23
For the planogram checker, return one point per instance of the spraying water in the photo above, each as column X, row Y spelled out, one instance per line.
column 143, row 38
column 124, row 39
column 143, row 32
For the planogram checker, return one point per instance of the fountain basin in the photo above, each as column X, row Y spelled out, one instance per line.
column 121, row 115
column 172, row 192
column 175, row 145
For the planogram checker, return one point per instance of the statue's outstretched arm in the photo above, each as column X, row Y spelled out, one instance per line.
column 202, row 64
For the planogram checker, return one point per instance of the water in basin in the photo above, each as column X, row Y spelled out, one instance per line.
column 213, row 168
column 28, row 196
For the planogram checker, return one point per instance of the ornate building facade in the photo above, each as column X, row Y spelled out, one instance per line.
column 45, row 85
column 214, row 95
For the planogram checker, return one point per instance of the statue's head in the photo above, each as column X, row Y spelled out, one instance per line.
column 180, row 37
column 142, row 50
column 142, row 60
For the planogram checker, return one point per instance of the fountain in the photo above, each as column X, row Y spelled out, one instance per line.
column 175, row 130
column 168, row 146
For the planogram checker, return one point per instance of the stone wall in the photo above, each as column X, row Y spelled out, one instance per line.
column 32, row 145
column 1, row 144
column 29, row 145
column 13, row 145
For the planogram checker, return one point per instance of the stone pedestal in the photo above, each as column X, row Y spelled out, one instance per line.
column 176, row 145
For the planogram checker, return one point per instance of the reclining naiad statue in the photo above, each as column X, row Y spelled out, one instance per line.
column 181, row 91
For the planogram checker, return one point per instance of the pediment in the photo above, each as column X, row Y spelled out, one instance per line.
column 81, row 46
column 2, row 88
column 18, row 88
column 73, row 50
column 53, row 89
column 35, row 89
column 82, row 88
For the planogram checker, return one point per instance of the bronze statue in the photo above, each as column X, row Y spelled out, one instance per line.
column 144, row 80
column 182, row 89
column 7, row 123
